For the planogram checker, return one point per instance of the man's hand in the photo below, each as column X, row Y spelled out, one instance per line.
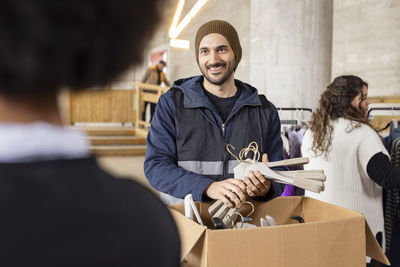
column 230, row 191
column 256, row 184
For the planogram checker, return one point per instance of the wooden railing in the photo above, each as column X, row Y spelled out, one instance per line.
column 103, row 106
column 118, row 106
column 146, row 93
column 385, row 99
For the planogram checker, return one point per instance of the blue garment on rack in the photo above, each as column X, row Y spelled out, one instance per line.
column 393, row 135
column 391, row 202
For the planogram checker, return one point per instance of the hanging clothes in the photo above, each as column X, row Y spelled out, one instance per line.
column 286, row 146
column 295, row 137
column 392, row 211
column 393, row 134
column 391, row 201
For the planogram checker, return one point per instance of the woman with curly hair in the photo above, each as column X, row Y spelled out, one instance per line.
column 343, row 143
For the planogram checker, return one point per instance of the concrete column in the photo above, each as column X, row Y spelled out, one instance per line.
column 366, row 41
column 290, row 50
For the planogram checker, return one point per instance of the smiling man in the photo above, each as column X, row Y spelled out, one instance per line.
column 196, row 119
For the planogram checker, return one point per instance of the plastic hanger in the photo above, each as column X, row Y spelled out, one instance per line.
column 191, row 208
column 394, row 121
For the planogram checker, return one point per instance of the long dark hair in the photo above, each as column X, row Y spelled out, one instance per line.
column 335, row 103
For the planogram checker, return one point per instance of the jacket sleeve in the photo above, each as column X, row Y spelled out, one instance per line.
column 160, row 165
column 167, row 83
column 274, row 151
column 383, row 172
column 146, row 76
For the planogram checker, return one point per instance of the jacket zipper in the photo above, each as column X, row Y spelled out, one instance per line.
column 237, row 110
column 226, row 157
column 226, row 160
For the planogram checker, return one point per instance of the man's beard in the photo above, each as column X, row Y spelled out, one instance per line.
column 227, row 75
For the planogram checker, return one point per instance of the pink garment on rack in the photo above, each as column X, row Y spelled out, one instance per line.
column 295, row 139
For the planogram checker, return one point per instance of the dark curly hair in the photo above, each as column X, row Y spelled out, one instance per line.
column 335, row 103
column 49, row 44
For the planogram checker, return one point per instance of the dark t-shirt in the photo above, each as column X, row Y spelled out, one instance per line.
column 71, row 212
column 223, row 105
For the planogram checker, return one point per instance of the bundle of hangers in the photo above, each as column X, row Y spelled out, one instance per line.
column 311, row 180
column 223, row 216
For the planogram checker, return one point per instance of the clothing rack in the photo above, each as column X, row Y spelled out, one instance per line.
column 382, row 108
column 291, row 122
column 296, row 109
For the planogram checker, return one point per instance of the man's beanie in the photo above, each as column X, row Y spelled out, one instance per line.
column 223, row 28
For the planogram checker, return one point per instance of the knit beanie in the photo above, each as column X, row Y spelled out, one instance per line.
column 223, row 28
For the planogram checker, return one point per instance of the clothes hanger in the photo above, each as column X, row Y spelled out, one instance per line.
column 394, row 121
column 298, row 122
column 384, row 128
column 303, row 122
column 191, row 208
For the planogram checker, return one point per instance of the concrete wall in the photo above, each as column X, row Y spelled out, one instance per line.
column 366, row 42
column 291, row 50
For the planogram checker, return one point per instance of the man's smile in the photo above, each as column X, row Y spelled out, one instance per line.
column 216, row 68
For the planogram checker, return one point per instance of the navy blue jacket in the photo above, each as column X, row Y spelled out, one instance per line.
column 161, row 162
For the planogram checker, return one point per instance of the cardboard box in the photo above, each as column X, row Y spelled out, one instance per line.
column 331, row 236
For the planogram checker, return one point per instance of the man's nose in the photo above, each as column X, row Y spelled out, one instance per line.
column 214, row 57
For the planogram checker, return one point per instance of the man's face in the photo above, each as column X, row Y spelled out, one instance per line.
column 216, row 58
column 160, row 66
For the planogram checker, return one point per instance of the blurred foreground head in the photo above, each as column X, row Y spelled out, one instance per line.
column 49, row 44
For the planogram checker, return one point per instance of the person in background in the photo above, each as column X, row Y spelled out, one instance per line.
column 153, row 75
column 58, row 207
column 195, row 120
column 342, row 142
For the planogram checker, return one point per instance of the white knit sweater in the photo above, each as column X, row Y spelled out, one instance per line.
column 348, row 184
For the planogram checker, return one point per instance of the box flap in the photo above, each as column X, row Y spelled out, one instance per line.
column 330, row 243
column 189, row 232
column 373, row 249
column 318, row 211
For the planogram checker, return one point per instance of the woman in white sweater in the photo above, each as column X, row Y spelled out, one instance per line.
column 343, row 143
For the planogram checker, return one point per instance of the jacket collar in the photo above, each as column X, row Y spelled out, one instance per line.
column 194, row 96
